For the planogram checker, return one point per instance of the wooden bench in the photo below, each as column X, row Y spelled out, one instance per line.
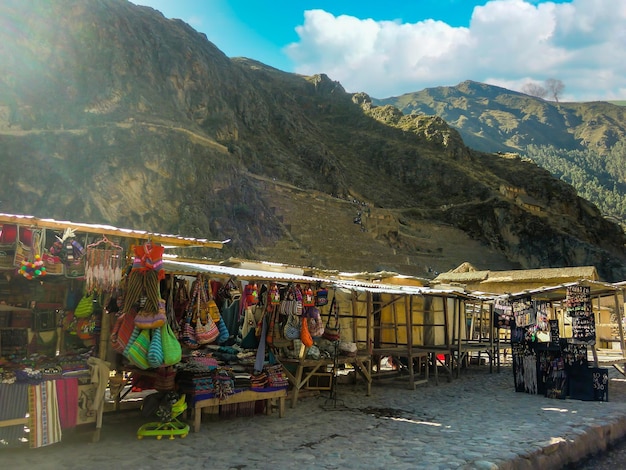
column 240, row 397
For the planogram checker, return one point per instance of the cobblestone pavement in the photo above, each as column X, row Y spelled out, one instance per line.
column 474, row 422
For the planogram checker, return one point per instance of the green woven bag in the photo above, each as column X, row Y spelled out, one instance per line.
column 138, row 351
column 172, row 351
column 84, row 308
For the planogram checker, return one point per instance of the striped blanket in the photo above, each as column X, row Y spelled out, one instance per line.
column 45, row 423
column 13, row 405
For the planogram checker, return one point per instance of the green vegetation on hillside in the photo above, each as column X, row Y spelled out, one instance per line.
column 600, row 179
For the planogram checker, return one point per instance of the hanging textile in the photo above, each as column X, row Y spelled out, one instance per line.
column 230, row 315
column 260, row 354
column 104, row 263
column 13, row 405
column 542, row 324
column 149, row 257
column 44, row 423
column 67, row 393
column 99, row 373
column 523, row 312
column 147, row 284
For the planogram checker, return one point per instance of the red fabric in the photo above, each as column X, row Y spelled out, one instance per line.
column 67, row 397
column 8, row 234
column 26, row 236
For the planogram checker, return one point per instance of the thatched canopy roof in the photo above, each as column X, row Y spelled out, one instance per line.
column 462, row 275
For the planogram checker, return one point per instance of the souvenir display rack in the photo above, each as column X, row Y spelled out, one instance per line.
column 562, row 359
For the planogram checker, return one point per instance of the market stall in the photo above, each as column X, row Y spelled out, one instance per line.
column 292, row 320
column 60, row 287
column 477, row 333
column 415, row 331
column 557, row 338
column 340, row 341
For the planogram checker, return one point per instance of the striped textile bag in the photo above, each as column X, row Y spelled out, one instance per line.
column 122, row 331
column 155, row 351
column 137, row 351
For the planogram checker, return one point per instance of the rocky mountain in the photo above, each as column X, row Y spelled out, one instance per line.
column 111, row 113
column 584, row 144
column 494, row 119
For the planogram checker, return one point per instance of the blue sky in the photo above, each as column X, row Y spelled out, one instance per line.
column 386, row 48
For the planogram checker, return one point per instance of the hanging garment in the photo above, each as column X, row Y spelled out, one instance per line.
column 99, row 373
column 230, row 315
column 149, row 257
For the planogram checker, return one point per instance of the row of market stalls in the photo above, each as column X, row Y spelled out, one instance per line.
column 249, row 332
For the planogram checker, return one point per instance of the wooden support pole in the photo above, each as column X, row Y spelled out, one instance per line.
column 620, row 320
column 409, row 338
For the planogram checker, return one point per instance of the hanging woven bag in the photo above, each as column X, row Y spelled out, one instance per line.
column 137, row 353
column 305, row 336
column 172, row 351
column 155, row 351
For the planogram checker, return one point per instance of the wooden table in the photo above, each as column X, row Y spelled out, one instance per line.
column 298, row 380
column 240, row 397
column 412, row 356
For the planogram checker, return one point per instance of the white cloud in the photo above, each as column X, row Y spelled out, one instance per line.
column 508, row 43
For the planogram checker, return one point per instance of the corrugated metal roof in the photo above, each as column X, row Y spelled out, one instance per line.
column 365, row 286
column 184, row 267
column 52, row 224
column 597, row 288
column 230, row 271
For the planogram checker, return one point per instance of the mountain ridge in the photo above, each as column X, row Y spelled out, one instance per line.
column 141, row 122
column 492, row 118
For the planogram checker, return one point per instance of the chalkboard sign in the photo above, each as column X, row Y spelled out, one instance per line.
column 600, row 381
column 523, row 312
column 591, row 384
column 554, row 331
column 502, row 313
column 574, row 355
column 578, row 301
column 556, row 379
column 584, row 329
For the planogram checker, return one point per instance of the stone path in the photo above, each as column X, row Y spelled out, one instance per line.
column 475, row 422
